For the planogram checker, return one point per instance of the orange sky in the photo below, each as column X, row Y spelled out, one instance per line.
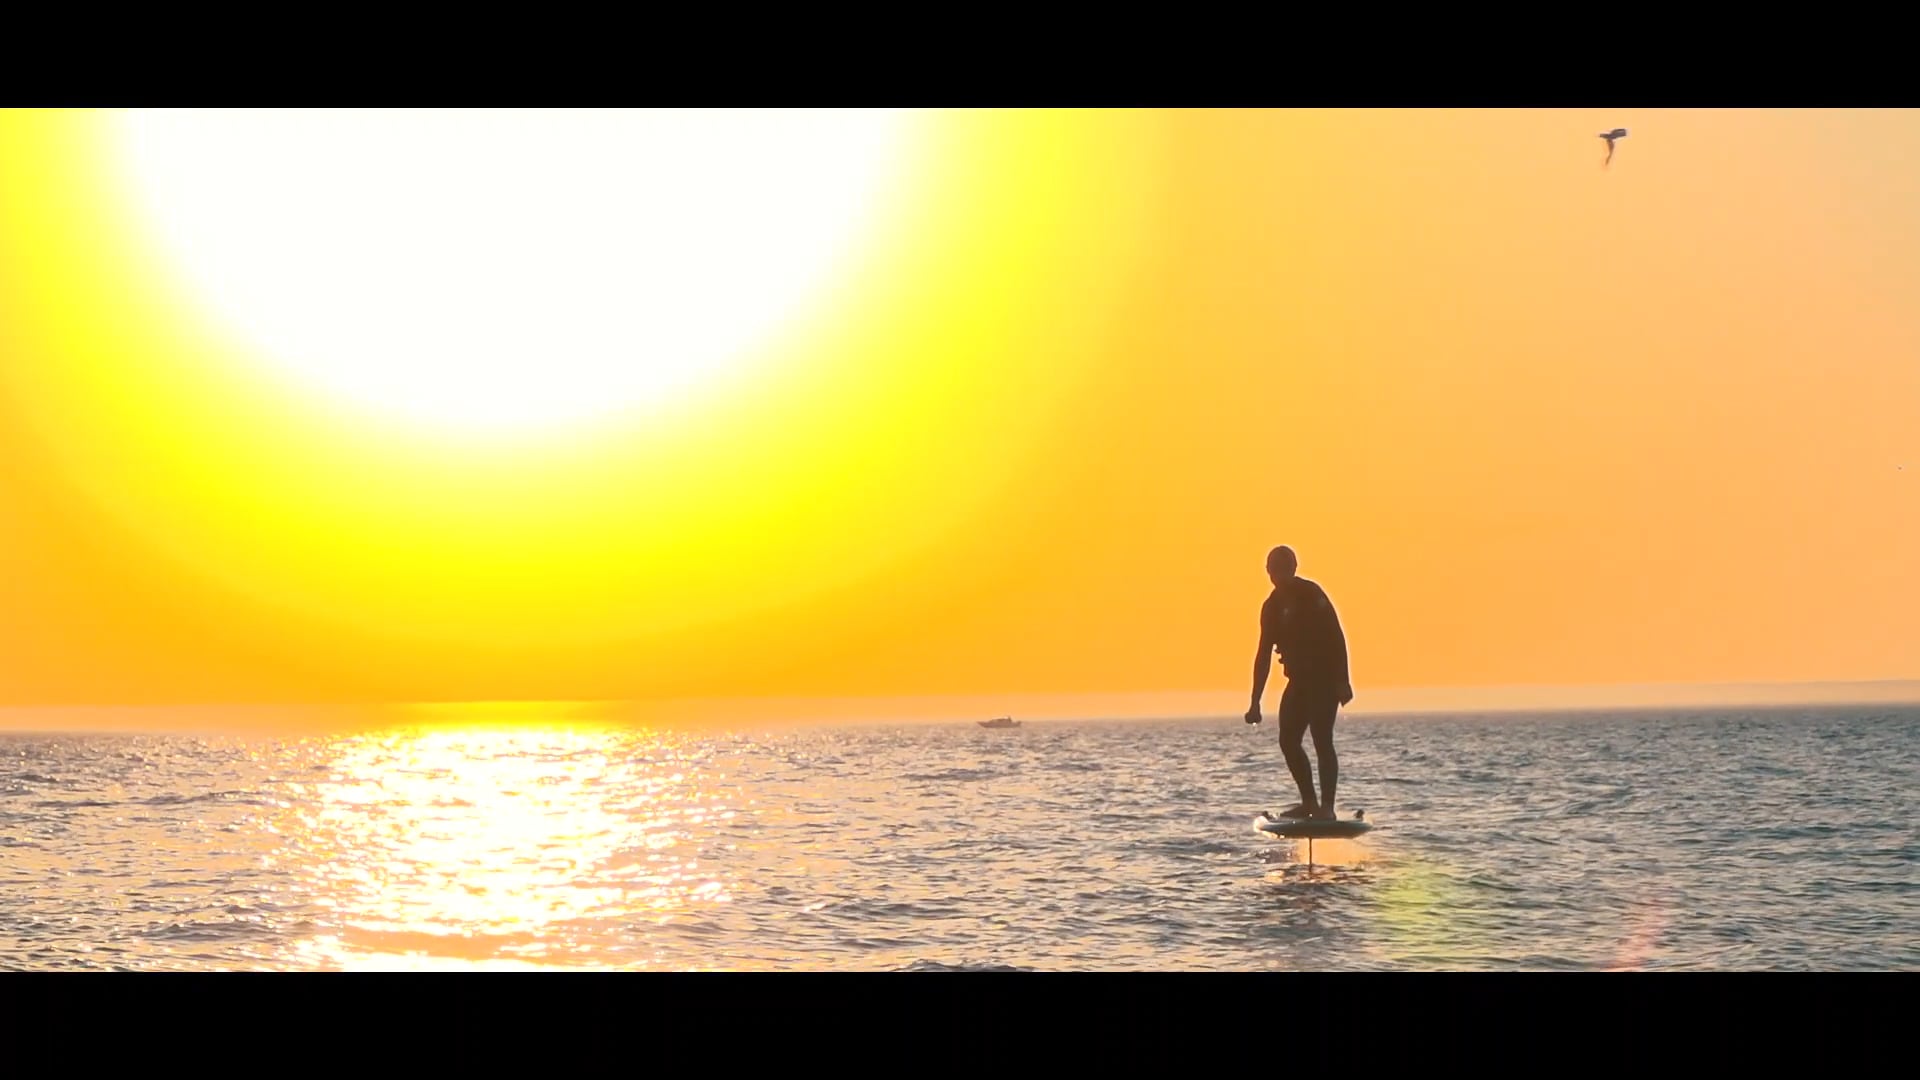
column 1529, row 421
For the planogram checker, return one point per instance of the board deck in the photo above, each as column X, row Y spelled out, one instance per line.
column 1311, row 828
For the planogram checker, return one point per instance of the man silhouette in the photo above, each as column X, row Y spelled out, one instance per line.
column 1299, row 624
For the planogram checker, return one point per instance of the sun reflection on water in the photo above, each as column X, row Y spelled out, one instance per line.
column 1326, row 852
column 501, row 847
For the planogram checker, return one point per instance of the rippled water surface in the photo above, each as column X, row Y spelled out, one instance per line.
column 1775, row 840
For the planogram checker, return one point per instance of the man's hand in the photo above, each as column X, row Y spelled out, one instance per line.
column 1346, row 693
column 1253, row 715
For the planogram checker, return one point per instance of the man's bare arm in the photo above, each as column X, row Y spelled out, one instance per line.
column 1262, row 664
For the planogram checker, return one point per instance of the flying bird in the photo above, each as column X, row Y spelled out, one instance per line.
column 1616, row 133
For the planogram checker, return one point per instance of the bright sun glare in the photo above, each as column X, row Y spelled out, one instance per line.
column 514, row 269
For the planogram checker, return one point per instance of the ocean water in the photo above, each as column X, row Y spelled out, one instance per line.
column 1775, row 840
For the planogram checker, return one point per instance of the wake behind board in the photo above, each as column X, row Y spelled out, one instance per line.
column 1311, row 828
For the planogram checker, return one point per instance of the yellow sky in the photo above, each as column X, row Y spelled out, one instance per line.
column 1528, row 420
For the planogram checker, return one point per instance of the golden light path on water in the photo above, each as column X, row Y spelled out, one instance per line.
column 508, row 837
column 574, row 837
column 498, row 847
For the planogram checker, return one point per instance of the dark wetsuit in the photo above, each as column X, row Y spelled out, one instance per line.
column 1300, row 621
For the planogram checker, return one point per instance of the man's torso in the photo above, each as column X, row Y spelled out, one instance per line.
column 1299, row 618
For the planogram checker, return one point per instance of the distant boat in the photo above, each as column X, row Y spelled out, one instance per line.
column 1000, row 722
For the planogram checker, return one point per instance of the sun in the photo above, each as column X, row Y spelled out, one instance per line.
column 505, row 271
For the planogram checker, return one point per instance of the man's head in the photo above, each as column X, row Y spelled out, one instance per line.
column 1281, row 565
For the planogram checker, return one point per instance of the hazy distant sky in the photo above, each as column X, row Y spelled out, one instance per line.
column 1528, row 420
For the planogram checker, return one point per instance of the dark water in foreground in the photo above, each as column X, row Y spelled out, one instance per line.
column 1758, row 840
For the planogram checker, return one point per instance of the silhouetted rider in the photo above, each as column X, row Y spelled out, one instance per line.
column 1298, row 623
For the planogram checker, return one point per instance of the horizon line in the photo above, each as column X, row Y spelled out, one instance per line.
column 1048, row 705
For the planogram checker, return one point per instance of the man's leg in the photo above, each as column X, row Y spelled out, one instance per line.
column 1293, row 727
column 1325, row 709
